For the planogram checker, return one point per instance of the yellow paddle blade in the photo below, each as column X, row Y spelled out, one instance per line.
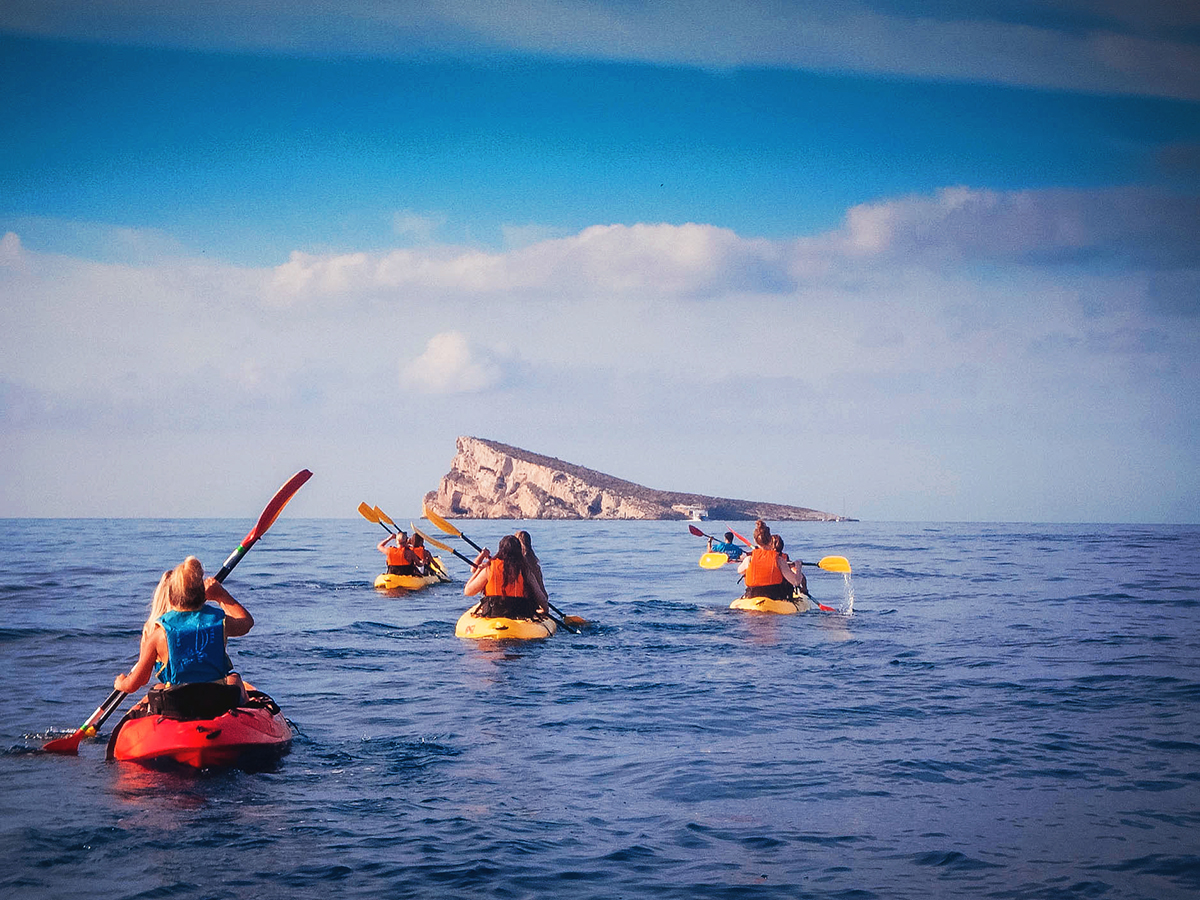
column 713, row 560
column 835, row 564
column 383, row 517
column 367, row 513
column 429, row 540
column 575, row 620
column 439, row 521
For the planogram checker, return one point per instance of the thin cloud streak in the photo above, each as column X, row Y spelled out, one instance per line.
column 1088, row 49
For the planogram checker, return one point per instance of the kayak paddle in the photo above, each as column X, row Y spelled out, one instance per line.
column 828, row 563
column 371, row 516
column 450, row 529
column 266, row 520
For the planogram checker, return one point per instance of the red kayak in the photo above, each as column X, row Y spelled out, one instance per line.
column 254, row 732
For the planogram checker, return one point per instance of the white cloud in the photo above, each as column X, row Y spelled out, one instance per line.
column 1127, row 225
column 11, row 253
column 450, row 365
column 417, row 226
column 663, row 262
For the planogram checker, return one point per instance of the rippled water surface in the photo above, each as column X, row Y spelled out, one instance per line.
column 1006, row 711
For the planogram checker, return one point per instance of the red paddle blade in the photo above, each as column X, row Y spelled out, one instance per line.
column 275, row 507
column 696, row 531
column 65, row 745
column 740, row 538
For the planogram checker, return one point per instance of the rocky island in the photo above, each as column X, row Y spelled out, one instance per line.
column 489, row 480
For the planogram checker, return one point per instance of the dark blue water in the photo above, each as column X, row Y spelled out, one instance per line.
column 1010, row 711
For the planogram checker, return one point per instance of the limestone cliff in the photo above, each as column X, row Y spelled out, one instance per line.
column 488, row 480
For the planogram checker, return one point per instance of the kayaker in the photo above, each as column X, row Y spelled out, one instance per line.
column 501, row 580
column 535, row 584
column 424, row 557
column 188, row 639
column 400, row 559
column 798, row 568
column 766, row 571
column 727, row 546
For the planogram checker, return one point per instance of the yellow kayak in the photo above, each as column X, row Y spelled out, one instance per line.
column 411, row 582
column 798, row 604
column 498, row 628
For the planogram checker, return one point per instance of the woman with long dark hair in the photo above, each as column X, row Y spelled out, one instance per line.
column 502, row 580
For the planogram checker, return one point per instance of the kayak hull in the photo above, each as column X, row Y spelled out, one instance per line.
column 477, row 627
column 251, row 734
column 386, row 582
column 798, row 604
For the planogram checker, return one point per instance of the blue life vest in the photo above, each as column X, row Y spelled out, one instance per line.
column 733, row 551
column 195, row 646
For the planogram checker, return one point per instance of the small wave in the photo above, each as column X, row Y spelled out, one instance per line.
column 952, row 860
column 1184, row 870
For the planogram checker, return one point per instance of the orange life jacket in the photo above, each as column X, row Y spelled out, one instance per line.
column 401, row 556
column 495, row 582
column 422, row 555
column 764, row 568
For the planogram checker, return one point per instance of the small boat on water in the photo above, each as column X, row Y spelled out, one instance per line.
column 388, row 582
column 252, row 733
column 799, row 603
column 472, row 625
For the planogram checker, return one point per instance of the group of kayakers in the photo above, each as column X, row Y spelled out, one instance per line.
column 191, row 617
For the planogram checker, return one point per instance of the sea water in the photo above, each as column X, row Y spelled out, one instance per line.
column 1008, row 711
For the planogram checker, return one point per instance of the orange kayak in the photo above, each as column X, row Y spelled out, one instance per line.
column 257, row 732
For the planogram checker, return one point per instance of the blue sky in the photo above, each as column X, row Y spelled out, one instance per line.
column 902, row 261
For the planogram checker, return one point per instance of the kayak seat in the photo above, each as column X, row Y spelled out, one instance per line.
column 259, row 700
column 199, row 700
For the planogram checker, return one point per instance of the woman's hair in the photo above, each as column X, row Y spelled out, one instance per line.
column 762, row 534
column 418, row 541
column 160, row 602
column 526, row 545
column 776, row 543
column 509, row 553
column 185, row 585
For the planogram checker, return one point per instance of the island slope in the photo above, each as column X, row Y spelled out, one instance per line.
column 490, row 480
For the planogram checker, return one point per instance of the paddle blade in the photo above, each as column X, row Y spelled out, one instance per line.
column 740, row 538
column 696, row 531
column 367, row 513
column 272, row 510
column 713, row 560
column 67, row 744
column 437, row 520
column 429, row 540
column 70, row 744
column 835, row 564
column 577, row 621
column 383, row 517
column 269, row 514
